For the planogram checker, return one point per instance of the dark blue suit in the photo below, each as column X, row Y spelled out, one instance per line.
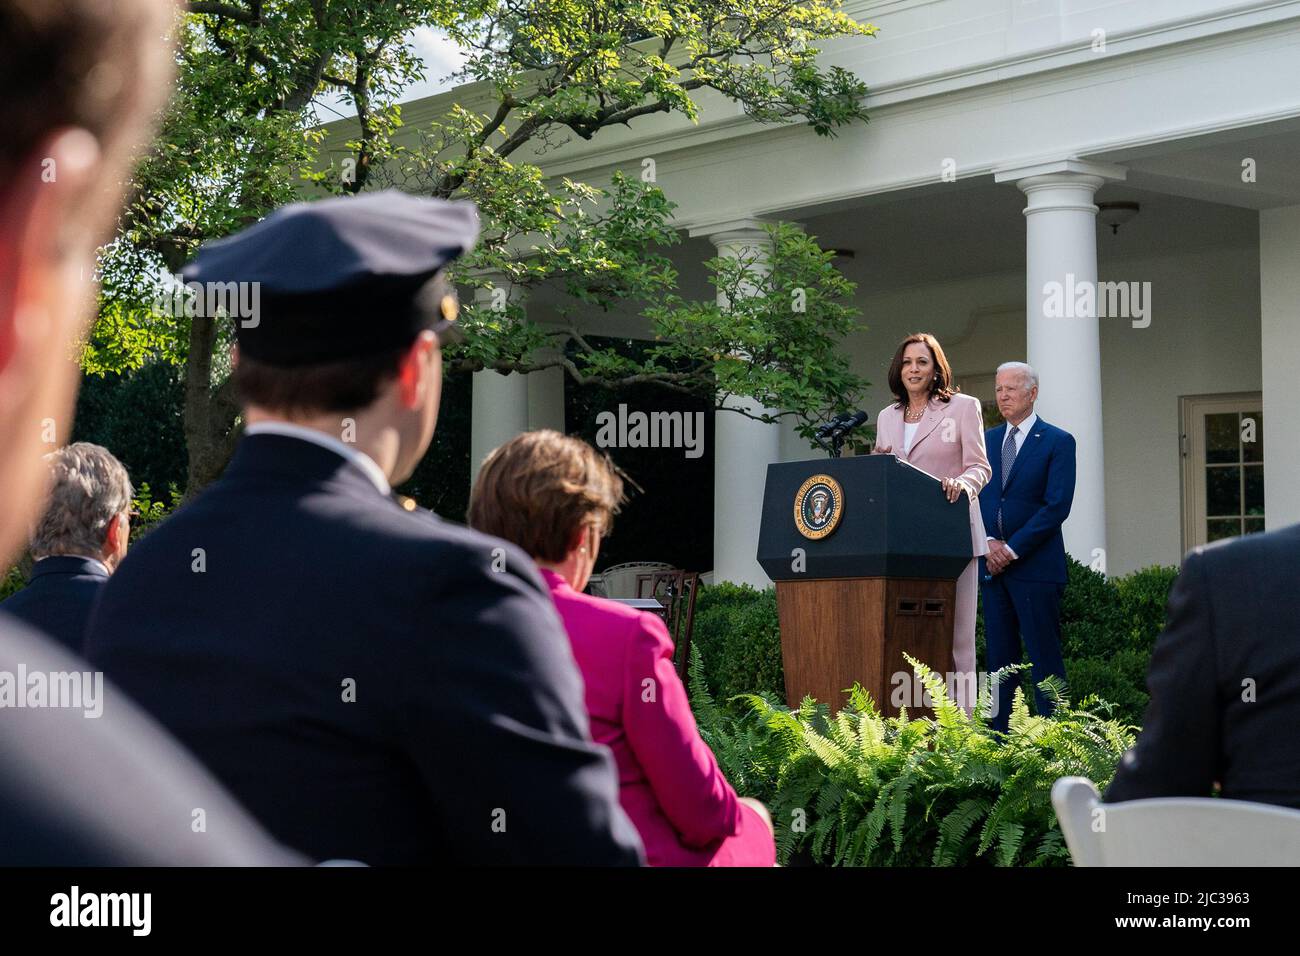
column 1025, row 599
column 59, row 597
column 372, row 683
column 111, row 790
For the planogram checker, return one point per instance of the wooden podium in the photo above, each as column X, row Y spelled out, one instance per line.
column 865, row 553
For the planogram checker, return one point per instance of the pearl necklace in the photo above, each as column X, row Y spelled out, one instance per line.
column 907, row 415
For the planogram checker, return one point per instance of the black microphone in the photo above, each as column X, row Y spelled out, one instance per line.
column 849, row 423
column 837, row 422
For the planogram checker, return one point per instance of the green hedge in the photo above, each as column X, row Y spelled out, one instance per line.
column 1108, row 627
column 739, row 640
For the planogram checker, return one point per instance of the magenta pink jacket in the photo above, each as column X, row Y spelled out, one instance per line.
column 669, row 781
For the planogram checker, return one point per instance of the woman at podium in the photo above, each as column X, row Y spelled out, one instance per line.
column 940, row 431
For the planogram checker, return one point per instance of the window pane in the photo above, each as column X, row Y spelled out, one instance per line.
column 1252, row 426
column 1223, row 491
column 1254, row 490
column 1254, row 525
column 1217, row 528
column 1222, row 438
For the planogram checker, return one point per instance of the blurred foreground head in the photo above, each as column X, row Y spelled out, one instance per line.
column 83, row 83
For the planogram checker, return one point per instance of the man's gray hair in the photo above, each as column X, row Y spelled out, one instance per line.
column 89, row 489
column 1031, row 377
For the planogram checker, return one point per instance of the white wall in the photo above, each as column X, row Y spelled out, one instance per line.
column 1204, row 338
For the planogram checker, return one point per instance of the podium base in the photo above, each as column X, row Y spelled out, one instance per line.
column 839, row 631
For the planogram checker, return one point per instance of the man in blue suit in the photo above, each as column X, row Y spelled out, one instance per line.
column 1023, row 506
column 78, row 542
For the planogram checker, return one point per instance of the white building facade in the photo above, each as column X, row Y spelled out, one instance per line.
column 997, row 129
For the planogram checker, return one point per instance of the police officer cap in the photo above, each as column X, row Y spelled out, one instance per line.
column 340, row 278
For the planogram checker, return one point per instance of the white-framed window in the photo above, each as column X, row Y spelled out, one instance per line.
column 1223, row 466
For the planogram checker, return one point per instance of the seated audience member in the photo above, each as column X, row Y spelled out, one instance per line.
column 1224, row 680
column 78, row 542
column 356, row 670
column 555, row 497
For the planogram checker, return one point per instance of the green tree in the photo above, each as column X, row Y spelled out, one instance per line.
column 240, row 138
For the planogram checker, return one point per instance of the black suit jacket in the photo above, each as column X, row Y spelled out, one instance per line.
column 96, row 782
column 58, row 598
column 1225, row 679
column 373, row 683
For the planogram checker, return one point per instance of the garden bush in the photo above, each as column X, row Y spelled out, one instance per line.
column 13, row 581
column 737, row 634
column 139, row 417
column 1092, row 620
column 1143, row 596
column 860, row 789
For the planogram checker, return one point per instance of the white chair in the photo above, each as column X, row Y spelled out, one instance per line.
column 1173, row 831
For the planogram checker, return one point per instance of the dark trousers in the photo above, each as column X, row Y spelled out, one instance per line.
column 1032, row 610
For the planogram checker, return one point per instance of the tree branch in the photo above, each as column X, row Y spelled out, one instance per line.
column 222, row 10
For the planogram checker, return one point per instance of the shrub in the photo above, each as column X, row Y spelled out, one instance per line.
column 14, row 579
column 150, row 512
column 1120, row 680
column 860, row 789
column 737, row 633
column 1091, row 619
column 139, row 417
column 1143, row 596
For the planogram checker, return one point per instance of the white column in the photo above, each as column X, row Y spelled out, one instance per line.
column 742, row 447
column 499, row 409
column 546, row 397
column 1065, row 350
column 1279, row 327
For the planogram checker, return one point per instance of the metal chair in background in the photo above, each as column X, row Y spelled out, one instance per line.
column 620, row 580
column 675, row 590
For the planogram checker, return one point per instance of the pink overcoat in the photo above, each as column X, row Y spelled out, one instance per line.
column 669, row 782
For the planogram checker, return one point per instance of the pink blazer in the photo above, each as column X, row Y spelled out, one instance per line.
column 949, row 443
column 669, row 781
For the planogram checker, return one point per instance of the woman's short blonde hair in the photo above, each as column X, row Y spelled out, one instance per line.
column 540, row 488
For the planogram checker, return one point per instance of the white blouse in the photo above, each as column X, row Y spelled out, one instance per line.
column 909, row 433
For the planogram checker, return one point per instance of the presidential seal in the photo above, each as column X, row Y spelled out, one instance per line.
column 818, row 505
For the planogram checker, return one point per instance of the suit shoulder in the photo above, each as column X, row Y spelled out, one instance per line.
column 969, row 401
column 1057, row 432
column 1274, row 552
column 464, row 555
column 431, row 528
